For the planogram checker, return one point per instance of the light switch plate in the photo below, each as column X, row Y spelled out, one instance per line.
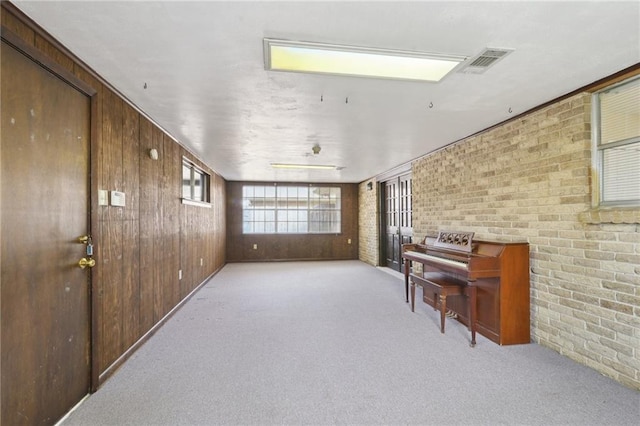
column 103, row 197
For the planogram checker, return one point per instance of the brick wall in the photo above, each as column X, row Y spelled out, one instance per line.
column 529, row 180
column 368, row 223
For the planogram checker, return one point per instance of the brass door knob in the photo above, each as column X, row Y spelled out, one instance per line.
column 84, row 262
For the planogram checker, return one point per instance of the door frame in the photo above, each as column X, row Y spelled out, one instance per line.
column 384, row 233
column 397, row 175
column 71, row 79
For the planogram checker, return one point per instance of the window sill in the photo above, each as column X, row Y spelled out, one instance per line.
column 195, row 203
column 294, row 234
column 629, row 215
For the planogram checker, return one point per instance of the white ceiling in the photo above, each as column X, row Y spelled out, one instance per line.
column 202, row 63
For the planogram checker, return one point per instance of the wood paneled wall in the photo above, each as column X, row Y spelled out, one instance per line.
column 295, row 246
column 139, row 248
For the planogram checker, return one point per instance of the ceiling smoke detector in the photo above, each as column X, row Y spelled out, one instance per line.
column 483, row 61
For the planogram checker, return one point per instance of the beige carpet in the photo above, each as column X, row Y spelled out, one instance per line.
column 322, row 343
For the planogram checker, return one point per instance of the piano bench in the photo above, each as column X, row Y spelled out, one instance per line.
column 442, row 286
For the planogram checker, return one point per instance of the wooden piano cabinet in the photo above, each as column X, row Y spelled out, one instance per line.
column 514, row 296
column 488, row 316
column 502, row 301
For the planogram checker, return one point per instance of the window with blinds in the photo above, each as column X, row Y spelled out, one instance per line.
column 616, row 132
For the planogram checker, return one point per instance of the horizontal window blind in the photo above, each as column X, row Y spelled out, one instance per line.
column 621, row 177
column 618, row 143
column 620, row 113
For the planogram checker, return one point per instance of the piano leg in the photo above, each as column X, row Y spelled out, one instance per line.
column 406, row 280
column 443, row 310
column 413, row 296
column 471, row 298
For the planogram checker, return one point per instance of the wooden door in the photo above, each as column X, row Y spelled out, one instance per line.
column 45, row 295
column 398, row 222
column 405, row 218
column 392, row 225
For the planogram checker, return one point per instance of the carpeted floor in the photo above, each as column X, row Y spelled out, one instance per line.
column 320, row 343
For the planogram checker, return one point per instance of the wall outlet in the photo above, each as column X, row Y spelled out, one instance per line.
column 179, row 274
column 349, row 241
column 255, row 247
column 200, row 261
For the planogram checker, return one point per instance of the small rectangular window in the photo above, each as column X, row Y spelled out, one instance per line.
column 186, row 181
column 616, row 134
column 289, row 209
column 195, row 183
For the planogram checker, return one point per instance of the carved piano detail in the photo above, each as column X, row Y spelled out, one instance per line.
column 497, row 271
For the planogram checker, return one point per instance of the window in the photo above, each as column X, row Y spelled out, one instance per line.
column 195, row 183
column 289, row 209
column 616, row 136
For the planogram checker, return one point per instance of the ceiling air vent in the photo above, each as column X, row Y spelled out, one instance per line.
column 486, row 59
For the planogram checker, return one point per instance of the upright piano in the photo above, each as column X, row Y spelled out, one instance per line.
column 499, row 271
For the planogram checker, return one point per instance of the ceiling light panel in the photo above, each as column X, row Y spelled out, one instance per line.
column 303, row 166
column 284, row 55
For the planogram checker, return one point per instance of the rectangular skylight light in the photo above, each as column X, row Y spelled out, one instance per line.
column 303, row 166
column 284, row 55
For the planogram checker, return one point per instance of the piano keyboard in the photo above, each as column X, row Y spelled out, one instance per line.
column 436, row 259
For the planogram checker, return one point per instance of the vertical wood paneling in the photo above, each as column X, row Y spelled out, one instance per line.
column 239, row 247
column 187, row 276
column 220, row 219
column 112, row 317
column 111, row 262
column 198, row 232
column 156, row 225
column 131, row 248
column 112, row 167
column 139, row 248
column 202, row 233
column 171, row 223
column 131, row 157
column 189, row 243
column 131, row 285
column 147, row 208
